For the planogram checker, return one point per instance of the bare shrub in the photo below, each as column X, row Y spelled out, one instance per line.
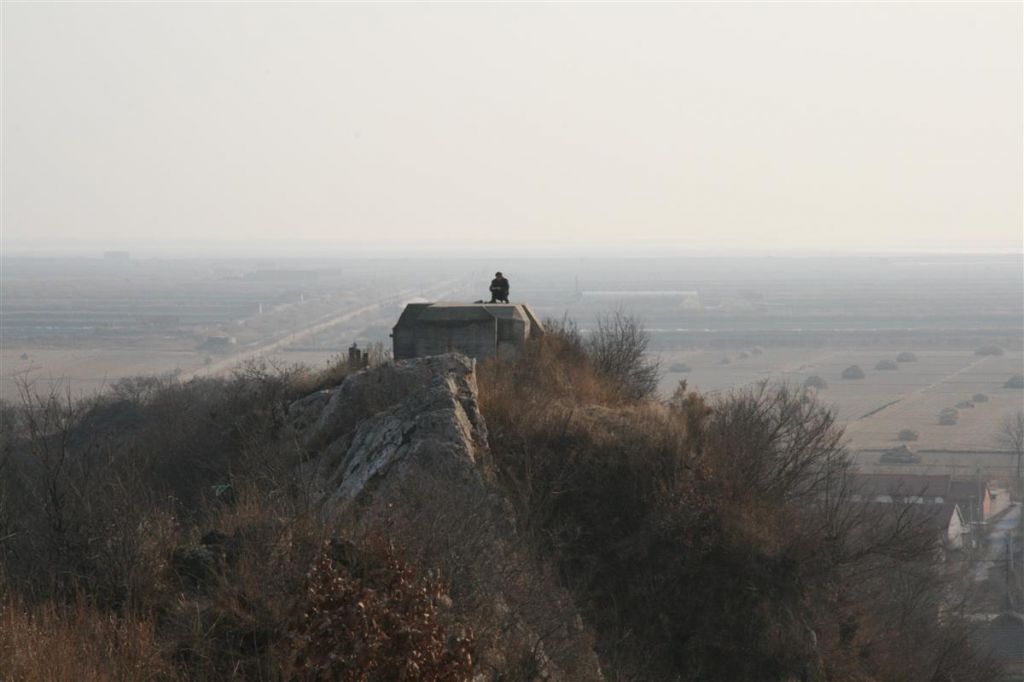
column 906, row 356
column 374, row 617
column 907, row 435
column 964, row 405
column 1011, row 437
column 853, row 372
column 618, row 348
column 989, row 350
column 1016, row 381
column 948, row 416
column 979, row 398
column 886, row 365
column 138, row 389
column 816, row 382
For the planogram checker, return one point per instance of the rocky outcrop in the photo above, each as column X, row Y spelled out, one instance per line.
column 402, row 451
column 387, row 428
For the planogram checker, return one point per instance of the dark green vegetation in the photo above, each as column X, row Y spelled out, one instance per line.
column 165, row 532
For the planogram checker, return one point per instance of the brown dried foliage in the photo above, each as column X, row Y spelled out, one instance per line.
column 376, row 619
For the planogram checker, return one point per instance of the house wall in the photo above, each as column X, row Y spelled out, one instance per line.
column 956, row 532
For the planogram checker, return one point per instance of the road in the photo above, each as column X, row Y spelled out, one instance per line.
column 227, row 364
column 996, row 542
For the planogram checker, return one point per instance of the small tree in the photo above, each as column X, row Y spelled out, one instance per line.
column 1011, row 437
column 948, row 416
column 907, row 435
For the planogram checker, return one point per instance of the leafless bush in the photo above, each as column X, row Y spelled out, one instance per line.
column 774, row 441
column 906, row 356
column 618, row 348
column 907, row 435
column 816, row 382
column 378, row 355
column 375, row 618
column 886, row 365
column 1011, row 437
column 853, row 372
column 989, row 350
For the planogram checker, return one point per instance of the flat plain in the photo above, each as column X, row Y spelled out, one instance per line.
column 732, row 322
column 875, row 409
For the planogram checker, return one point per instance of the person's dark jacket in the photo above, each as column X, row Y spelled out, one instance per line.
column 499, row 288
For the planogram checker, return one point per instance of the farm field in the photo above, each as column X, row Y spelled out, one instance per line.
column 86, row 371
column 874, row 409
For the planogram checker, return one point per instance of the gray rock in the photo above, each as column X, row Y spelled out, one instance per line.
column 402, row 451
column 435, row 432
column 326, row 415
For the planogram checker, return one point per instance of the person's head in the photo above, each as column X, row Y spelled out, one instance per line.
column 497, row 274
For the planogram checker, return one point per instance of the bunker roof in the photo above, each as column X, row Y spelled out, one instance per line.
column 443, row 313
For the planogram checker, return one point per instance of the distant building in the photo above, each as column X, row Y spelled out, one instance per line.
column 480, row 331
column 945, row 519
column 973, row 497
column 903, row 454
column 909, row 488
column 288, row 276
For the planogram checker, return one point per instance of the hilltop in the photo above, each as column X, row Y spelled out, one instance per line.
column 435, row 519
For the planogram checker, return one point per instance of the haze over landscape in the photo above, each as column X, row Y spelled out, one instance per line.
column 219, row 129
column 753, row 408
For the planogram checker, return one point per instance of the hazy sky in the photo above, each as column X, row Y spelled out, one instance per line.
column 538, row 128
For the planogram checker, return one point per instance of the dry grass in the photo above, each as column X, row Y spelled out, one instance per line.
column 51, row 642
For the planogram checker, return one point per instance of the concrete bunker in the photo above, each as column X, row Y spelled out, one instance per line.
column 479, row 330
